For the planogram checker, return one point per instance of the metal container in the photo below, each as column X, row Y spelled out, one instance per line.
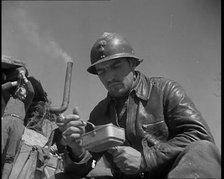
column 103, row 137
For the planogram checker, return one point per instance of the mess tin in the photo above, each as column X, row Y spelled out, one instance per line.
column 103, row 137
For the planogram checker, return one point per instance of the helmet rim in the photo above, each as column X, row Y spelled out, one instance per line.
column 92, row 69
column 9, row 62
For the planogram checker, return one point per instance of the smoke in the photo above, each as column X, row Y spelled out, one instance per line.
column 54, row 48
column 32, row 31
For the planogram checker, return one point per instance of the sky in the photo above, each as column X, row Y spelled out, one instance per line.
column 178, row 39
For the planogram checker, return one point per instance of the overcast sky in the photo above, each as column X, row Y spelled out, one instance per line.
column 178, row 39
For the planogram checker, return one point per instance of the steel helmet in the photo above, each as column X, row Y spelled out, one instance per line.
column 11, row 67
column 9, row 62
column 110, row 46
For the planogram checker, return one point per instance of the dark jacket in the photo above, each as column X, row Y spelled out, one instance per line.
column 161, row 121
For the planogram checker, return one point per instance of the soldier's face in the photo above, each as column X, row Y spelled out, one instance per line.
column 116, row 75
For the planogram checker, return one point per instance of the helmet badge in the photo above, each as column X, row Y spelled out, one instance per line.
column 101, row 48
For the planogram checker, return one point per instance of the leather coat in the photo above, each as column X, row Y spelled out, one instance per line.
column 161, row 121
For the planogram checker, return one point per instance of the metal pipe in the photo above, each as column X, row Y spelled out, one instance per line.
column 66, row 95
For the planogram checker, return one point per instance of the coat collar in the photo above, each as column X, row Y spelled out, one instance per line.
column 142, row 88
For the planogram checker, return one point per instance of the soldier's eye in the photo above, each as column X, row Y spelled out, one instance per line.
column 115, row 66
column 100, row 72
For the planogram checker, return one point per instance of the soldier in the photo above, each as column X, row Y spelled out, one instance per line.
column 17, row 100
column 166, row 136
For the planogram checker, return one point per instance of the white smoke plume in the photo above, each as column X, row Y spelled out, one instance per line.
column 55, row 49
column 31, row 29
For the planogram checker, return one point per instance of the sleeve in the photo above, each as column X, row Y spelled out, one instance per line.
column 79, row 166
column 185, row 125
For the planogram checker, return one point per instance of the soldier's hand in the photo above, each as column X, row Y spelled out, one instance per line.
column 127, row 159
column 72, row 129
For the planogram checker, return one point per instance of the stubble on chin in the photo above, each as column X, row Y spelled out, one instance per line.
column 117, row 92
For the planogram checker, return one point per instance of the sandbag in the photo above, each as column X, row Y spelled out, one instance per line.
column 25, row 163
column 33, row 159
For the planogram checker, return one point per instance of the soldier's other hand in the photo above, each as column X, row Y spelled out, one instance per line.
column 127, row 159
